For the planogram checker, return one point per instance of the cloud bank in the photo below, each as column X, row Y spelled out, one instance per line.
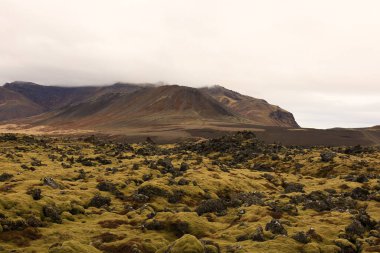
column 317, row 59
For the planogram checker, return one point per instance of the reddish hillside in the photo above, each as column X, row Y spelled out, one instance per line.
column 55, row 97
column 14, row 105
column 148, row 105
column 258, row 111
column 122, row 105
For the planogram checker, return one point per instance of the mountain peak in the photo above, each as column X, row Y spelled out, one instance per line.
column 144, row 104
column 20, row 83
column 259, row 111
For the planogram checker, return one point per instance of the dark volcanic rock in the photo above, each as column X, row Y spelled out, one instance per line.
column 99, row 201
column 301, row 237
column 246, row 199
column 360, row 179
column 183, row 181
column 110, row 187
column 327, row 156
column 82, row 175
column 355, row 228
column 277, row 208
column 154, row 225
column 176, row 196
column 320, row 201
column 52, row 212
column 184, row 167
column 211, row 206
column 346, row 246
column 50, row 182
column 241, row 145
column 141, row 198
column 366, row 220
column 276, row 227
column 243, row 237
column 355, row 150
column 293, row 187
column 360, row 193
column 166, row 163
column 10, row 225
column 32, row 221
column 36, row 163
column 151, row 191
column 262, row 167
column 258, row 235
column 5, row 177
column 36, row 193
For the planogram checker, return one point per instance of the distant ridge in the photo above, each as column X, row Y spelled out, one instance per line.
column 125, row 104
column 164, row 113
column 15, row 105
column 258, row 111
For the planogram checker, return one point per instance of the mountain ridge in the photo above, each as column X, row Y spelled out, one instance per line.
column 138, row 103
column 252, row 108
column 164, row 113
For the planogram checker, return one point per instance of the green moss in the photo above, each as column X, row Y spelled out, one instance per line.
column 211, row 249
column 67, row 216
column 185, row 244
column 311, row 248
column 329, row 249
column 73, row 247
column 344, row 244
column 131, row 221
column 187, row 223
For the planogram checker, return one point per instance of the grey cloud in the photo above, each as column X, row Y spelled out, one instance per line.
column 318, row 59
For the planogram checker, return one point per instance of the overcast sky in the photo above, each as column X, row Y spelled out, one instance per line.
column 318, row 59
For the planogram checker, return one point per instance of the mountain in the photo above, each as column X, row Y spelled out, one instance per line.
column 165, row 113
column 15, row 105
column 125, row 107
column 258, row 111
column 55, row 97
column 146, row 106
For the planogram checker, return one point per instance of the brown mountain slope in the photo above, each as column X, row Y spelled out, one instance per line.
column 55, row 97
column 50, row 97
column 259, row 111
column 14, row 105
column 147, row 106
column 165, row 113
column 170, row 111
